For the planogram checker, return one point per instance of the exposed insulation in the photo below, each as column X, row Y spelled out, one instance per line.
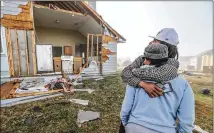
column 21, row 21
column 107, row 39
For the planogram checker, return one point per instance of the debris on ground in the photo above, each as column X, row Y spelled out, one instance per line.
column 101, row 78
column 21, row 100
column 198, row 129
column 88, row 90
column 85, row 116
column 79, row 101
column 8, row 89
column 28, row 121
column 37, row 109
column 205, row 91
column 64, row 83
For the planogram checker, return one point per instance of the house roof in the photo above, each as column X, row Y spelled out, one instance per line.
column 83, row 8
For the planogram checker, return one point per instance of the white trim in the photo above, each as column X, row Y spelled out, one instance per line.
column 2, row 4
column 3, row 41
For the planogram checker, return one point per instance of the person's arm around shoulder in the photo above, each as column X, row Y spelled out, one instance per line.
column 186, row 111
column 127, row 75
column 127, row 104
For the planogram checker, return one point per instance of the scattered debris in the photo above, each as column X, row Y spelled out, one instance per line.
column 37, row 109
column 205, row 91
column 101, row 78
column 85, row 116
column 88, row 90
column 198, row 129
column 8, row 89
column 64, row 83
column 79, row 101
column 28, row 121
column 21, row 100
column 92, row 69
column 31, row 82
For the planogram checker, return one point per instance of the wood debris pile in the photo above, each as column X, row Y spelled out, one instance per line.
column 31, row 87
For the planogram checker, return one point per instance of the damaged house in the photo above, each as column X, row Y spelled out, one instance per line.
column 54, row 37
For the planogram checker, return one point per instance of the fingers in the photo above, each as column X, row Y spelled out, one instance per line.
column 158, row 92
column 158, row 89
column 155, row 94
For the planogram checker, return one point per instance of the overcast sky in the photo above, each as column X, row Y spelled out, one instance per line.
column 136, row 20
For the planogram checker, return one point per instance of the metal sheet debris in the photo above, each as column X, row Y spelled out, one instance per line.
column 88, row 90
column 21, row 100
column 101, row 78
column 79, row 101
column 198, row 129
column 85, row 116
column 92, row 69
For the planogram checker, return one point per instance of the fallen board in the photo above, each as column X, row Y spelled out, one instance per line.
column 21, row 100
column 7, row 88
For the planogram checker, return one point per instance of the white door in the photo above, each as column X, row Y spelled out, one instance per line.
column 44, row 58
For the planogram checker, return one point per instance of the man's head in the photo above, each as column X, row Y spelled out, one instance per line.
column 168, row 37
column 156, row 54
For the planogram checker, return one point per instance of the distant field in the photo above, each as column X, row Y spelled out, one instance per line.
column 60, row 115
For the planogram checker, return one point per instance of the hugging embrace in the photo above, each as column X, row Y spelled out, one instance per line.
column 157, row 98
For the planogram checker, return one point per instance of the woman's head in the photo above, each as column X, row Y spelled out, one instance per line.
column 168, row 37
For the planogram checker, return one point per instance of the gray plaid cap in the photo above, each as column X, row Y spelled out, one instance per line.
column 156, row 51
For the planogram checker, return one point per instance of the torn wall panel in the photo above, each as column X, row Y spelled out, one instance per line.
column 30, row 52
column 22, row 49
column 17, row 15
column 15, row 52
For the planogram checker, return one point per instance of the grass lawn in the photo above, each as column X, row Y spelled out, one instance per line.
column 59, row 115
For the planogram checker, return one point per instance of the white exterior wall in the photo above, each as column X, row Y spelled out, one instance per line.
column 4, row 56
column 110, row 66
column 11, row 8
column 193, row 62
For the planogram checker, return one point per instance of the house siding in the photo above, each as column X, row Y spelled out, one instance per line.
column 8, row 8
column 110, row 66
column 4, row 56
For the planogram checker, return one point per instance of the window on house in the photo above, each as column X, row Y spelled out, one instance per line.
column 79, row 49
column 57, row 51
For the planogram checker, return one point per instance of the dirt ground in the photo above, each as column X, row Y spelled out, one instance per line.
column 59, row 115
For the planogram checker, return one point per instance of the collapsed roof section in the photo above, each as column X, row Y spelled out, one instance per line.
column 86, row 19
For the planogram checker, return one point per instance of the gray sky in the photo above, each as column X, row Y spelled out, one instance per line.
column 136, row 20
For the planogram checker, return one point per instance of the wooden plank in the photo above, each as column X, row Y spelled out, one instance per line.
column 101, row 65
column 8, row 88
column 37, row 93
column 26, row 53
column 22, row 51
column 13, row 39
column 34, row 52
column 88, row 37
column 18, row 54
column 92, row 39
column 30, row 53
column 97, row 47
column 9, row 50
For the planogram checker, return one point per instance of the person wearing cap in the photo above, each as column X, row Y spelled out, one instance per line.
column 168, row 37
column 143, row 114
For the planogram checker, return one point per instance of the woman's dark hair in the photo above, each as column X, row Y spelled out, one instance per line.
column 172, row 50
column 158, row 62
